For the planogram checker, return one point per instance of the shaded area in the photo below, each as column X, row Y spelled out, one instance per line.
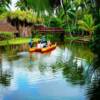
column 93, row 90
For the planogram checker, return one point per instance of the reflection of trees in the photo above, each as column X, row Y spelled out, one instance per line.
column 81, row 51
column 73, row 67
column 5, row 76
column 70, row 71
column 37, row 60
column 73, row 75
column 76, row 68
column 94, row 88
column 42, row 66
column 11, row 52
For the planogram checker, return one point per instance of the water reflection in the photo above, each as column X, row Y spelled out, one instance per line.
column 93, row 90
column 74, row 75
column 36, row 76
column 5, row 74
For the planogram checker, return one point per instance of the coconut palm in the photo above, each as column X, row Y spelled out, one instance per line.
column 67, row 13
column 88, row 24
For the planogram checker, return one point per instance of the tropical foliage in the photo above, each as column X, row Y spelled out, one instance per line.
column 87, row 24
column 55, row 22
column 28, row 16
column 4, row 4
column 21, row 19
column 74, row 16
column 38, row 5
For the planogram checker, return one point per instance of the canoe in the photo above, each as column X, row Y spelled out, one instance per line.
column 42, row 50
column 49, row 48
column 35, row 49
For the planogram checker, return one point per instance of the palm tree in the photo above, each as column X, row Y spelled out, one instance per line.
column 88, row 24
column 67, row 13
column 4, row 4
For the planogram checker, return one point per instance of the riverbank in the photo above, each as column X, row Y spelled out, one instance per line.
column 21, row 40
column 16, row 41
column 71, row 38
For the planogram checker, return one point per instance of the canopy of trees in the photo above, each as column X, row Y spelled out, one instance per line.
column 75, row 16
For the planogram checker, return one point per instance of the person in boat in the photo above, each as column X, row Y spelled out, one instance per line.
column 49, row 43
column 43, row 42
column 31, row 43
column 38, row 44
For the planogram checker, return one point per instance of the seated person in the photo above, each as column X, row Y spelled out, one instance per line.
column 49, row 43
column 31, row 43
column 38, row 44
column 43, row 41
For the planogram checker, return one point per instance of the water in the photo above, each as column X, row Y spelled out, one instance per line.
column 57, row 75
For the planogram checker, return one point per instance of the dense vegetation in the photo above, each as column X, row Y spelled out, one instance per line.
column 76, row 17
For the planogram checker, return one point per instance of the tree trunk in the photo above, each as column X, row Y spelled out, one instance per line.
column 90, row 33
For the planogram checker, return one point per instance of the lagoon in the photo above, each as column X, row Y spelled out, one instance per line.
column 57, row 75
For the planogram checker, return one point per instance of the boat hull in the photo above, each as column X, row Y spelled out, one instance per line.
column 42, row 50
column 48, row 48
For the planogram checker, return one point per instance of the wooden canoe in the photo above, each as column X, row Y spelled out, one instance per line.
column 42, row 50
column 49, row 48
column 35, row 49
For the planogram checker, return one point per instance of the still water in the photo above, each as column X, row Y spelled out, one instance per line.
column 57, row 75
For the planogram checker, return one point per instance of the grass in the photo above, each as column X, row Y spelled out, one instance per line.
column 71, row 38
column 16, row 41
column 26, row 40
column 6, row 33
